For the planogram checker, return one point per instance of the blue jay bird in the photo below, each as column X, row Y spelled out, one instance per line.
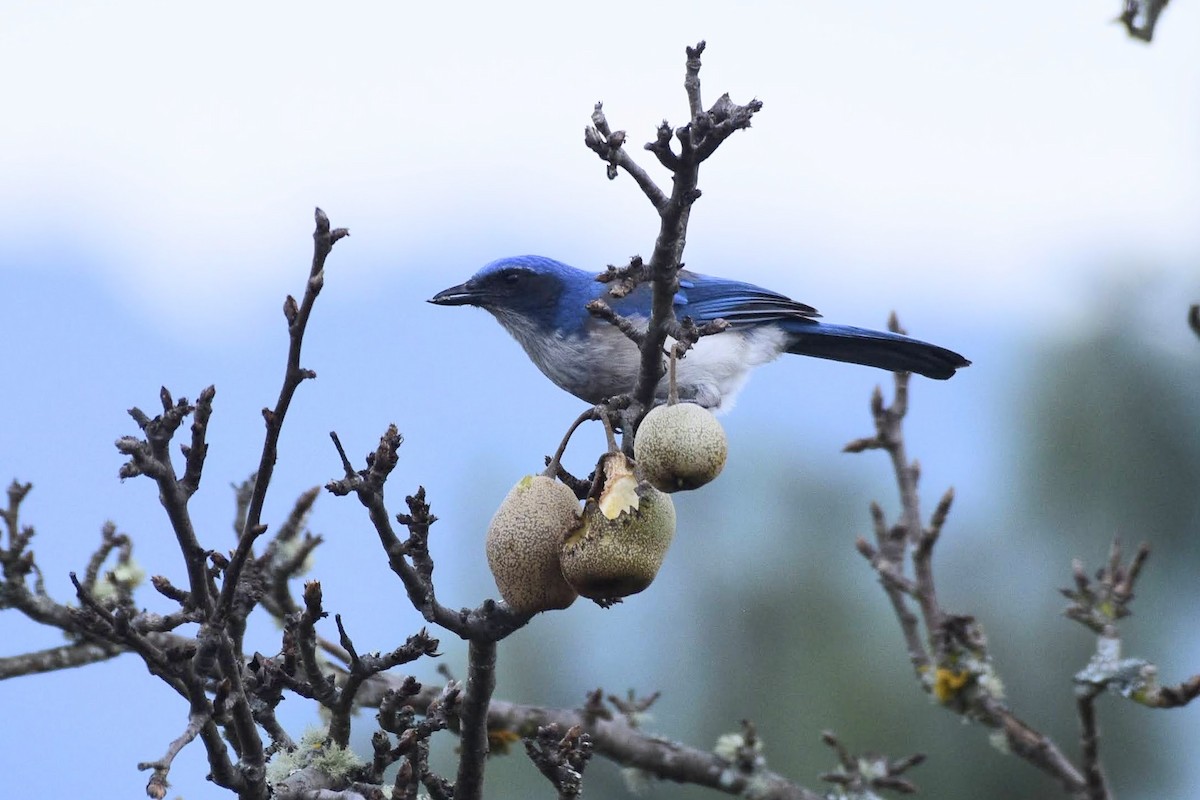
column 541, row 302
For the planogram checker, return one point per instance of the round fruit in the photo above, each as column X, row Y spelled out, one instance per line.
column 622, row 536
column 523, row 543
column 680, row 446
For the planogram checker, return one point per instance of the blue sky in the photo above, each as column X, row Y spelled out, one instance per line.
column 984, row 173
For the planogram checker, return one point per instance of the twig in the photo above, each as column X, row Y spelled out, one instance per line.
column 306, row 641
column 610, row 147
column 297, row 318
column 362, row 668
column 195, row 453
column 860, row 775
column 617, row 738
column 67, row 656
column 697, row 140
column 1145, row 10
column 1089, row 739
column 1099, row 604
column 952, row 661
column 554, row 467
column 489, row 621
column 157, row 785
column 888, row 563
column 602, row 310
column 561, row 757
column 151, row 457
column 17, row 539
column 109, row 540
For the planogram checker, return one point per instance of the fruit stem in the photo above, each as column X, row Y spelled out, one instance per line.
column 608, row 433
column 672, row 386
column 552, row 468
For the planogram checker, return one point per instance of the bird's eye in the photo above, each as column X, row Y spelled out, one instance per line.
column 510, row 276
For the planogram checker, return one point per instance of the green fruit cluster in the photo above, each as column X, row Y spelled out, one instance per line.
column 544, row 550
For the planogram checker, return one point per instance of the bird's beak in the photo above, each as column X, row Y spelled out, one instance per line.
column 465, row 294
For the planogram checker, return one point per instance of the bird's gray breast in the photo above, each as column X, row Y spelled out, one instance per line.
column 599, row 361
column 593, row 364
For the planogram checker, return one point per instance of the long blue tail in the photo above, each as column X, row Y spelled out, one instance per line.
column 882, row 349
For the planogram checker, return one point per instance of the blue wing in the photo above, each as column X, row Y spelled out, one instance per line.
column 744, row 305
column 704, row 299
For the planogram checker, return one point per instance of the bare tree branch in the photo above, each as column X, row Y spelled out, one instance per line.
column 324, row 239
column 67, row 656
column 951, row 661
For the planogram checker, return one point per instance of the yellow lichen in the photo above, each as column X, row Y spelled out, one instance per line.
column 947, row 683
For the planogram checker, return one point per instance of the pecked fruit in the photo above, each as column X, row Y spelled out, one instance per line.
column 680, row 447
column 622, row 537
column 523, row 542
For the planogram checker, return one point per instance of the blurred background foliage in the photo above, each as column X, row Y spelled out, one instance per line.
column 766, row 612
column 1057, row 439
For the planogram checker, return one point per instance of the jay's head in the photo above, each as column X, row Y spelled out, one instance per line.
column 527, row 294
column 525, row 285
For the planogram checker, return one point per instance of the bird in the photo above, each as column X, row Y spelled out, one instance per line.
column 542, row 303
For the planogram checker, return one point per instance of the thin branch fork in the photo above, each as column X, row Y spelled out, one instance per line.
column 490, row 621
column 1098, row 605
column 697, row 141
column 617, row 737
column 157, row 787
column 151, row 457
column 217, row 651
column 183, row 676
column 601, row 140
column 561, row 757
column 324, row 238
column 893, row 542
column 860, row 775
column 362, row 668
column 952, row 660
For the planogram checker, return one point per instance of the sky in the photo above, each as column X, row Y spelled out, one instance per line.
column 984, row 172
column 954, row 150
